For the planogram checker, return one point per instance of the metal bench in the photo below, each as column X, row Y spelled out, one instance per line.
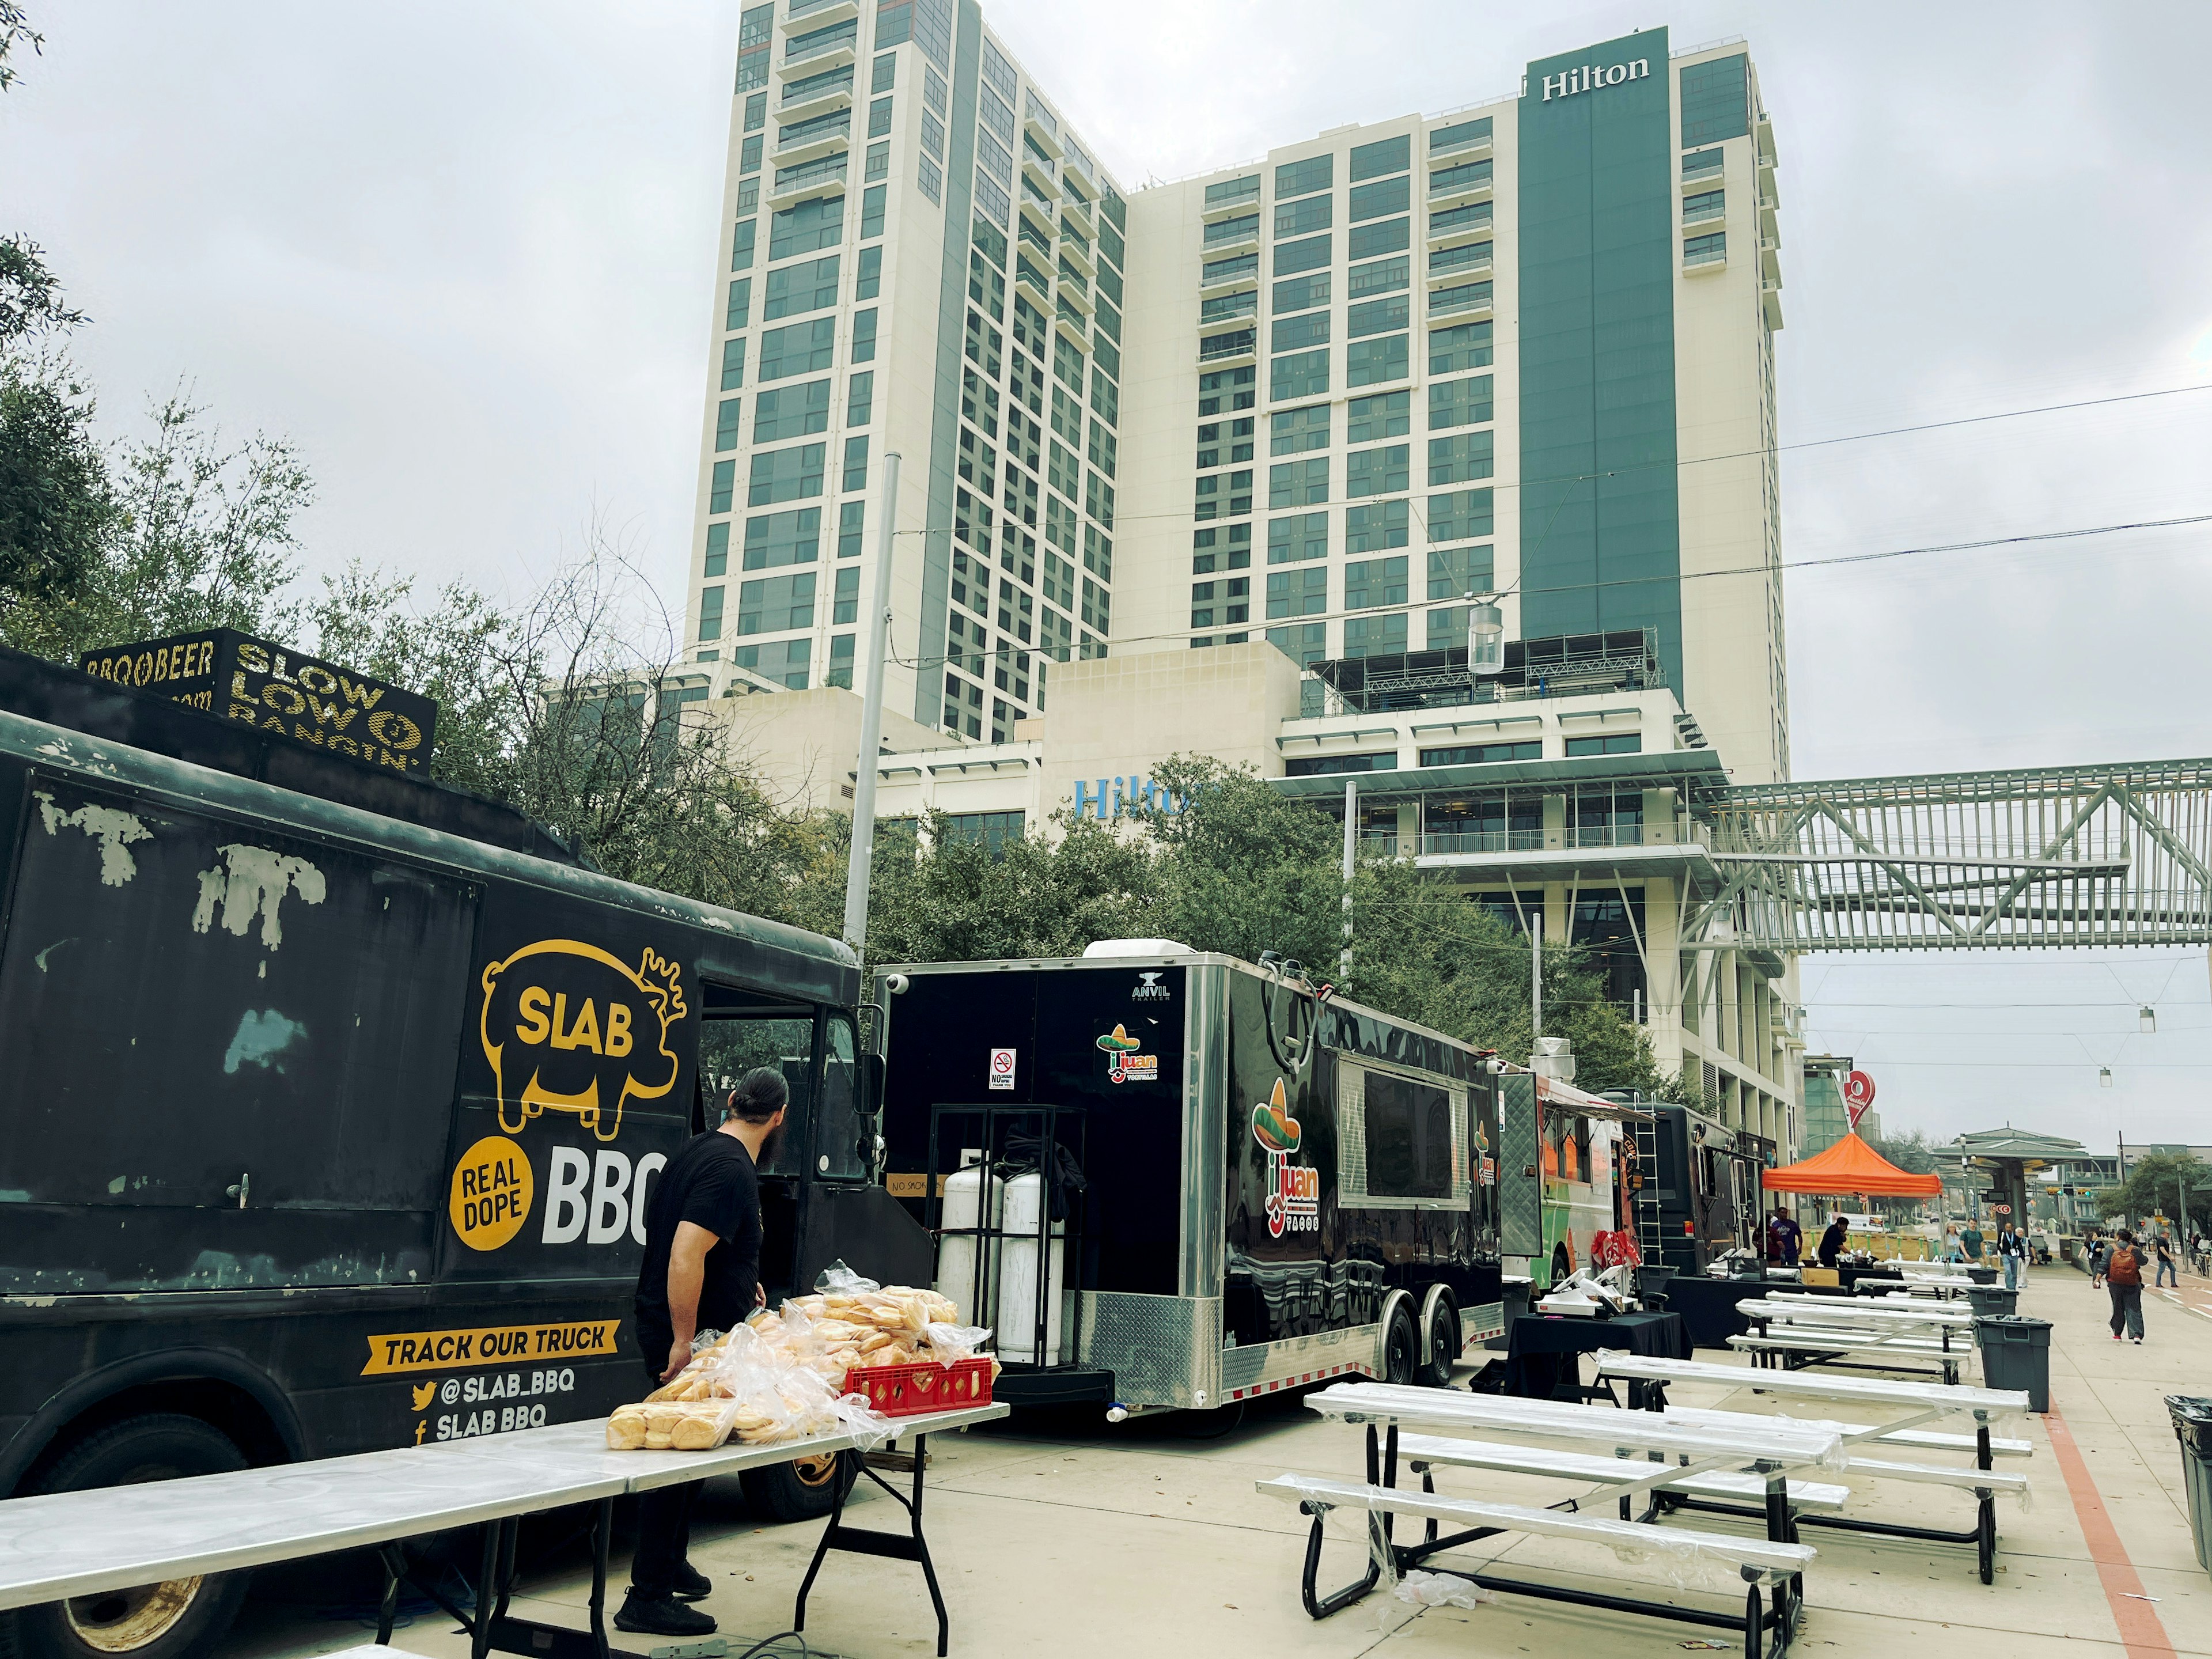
column 1820, row 1346
column 1422, row 1451
column 1760, row 1563
column 1922, row 1403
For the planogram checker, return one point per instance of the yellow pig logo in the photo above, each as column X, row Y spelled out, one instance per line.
column 569, row 1028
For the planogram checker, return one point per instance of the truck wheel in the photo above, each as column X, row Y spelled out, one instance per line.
column 803, row 1491
column 1443, row 1345
column 182, row 1619
column 1402, row 1347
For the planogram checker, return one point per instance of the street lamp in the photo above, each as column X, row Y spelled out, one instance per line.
column 1485, row 638
column 2104, row 1077
column 2147, row 1019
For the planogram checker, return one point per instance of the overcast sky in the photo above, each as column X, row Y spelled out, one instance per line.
column 465, row 255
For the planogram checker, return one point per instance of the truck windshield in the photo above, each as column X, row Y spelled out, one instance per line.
column 732, row 1045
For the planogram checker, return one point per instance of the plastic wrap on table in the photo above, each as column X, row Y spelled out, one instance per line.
column 950, row 1344
column 838, row 1279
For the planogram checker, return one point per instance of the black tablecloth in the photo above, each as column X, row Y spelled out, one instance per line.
column 1708, row 1306
column 1541, row 1350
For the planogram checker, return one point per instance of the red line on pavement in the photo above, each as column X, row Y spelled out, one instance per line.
column 2137, row 1621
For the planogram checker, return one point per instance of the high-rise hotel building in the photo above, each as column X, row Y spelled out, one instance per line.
column 1522, row 351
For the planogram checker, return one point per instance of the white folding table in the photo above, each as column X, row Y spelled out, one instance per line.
column 63, row 1545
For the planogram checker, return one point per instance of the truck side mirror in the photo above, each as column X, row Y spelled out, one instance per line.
column 871, row 1086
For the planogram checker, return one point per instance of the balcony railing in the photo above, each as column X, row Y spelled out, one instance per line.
column 1378, row 843
column 1242, row 344
column 805, row 7
column 1484, row 840
column 826, row 85
column 1245, row 229
column 1708, row 165
column 814, row 173
column 1220, row 271
column 1705, row 212
column 836, row 38
column 1694, row 258
column 1236, row 193
column 1605, row 835
column 1449, row 181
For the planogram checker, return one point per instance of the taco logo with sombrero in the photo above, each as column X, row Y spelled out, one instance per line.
column 1123, row 1063
column 1293, row 1202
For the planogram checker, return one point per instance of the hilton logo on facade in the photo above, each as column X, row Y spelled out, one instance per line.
column 1590, row 76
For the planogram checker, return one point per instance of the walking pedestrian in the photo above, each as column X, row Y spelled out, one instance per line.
column 2012, row 1250
column 1970, row 1241
column 2165, row 1272
column 1952, row 1251
column 2124, row 1284
column 2100, row 1248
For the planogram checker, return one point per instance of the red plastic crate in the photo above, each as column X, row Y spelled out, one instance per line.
column 923, row 1386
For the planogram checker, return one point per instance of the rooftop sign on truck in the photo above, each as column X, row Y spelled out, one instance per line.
column 332, row 1110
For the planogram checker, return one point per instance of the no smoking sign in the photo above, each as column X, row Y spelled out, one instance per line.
column 1002, row 1068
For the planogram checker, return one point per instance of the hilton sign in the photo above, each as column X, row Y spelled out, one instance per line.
column 1590, row 76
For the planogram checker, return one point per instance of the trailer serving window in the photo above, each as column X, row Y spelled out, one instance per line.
column 1403, row 1140
column 817, row 1051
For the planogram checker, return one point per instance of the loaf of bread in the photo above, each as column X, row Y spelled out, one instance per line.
column 697, row 1432
column 626, row 1428
column 660, row 1423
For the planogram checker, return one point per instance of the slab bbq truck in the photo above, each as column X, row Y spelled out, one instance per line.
column 330, row 1108
column 1234, row 1185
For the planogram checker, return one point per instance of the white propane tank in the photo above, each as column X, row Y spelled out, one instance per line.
column 966, row 1194
column 1016, row 1323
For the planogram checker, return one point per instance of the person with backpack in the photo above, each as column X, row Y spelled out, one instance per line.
column 2123, row 1282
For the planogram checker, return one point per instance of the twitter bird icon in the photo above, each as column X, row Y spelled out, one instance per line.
column 422, row 1395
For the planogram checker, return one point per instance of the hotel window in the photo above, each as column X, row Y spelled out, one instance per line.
column 1706, row 205
column 1312, row 254
column 1305, row 376
column 1295, row 430
column 1380, row 199
column 1706, row 250
column 1368, row 362
column 1378, row 316
column 783, row 661
column 1455, row 571
column 741, row 303
column 804, row 228
column 799, row 349
column 785, row 475
column 1452, row 350
column 1298, row 293
column 856, row 462
column 845, row 606
column 1461, row 516
column 1372, row 583
column 1380, row 276
column 1465, row 135
column 1303, row 218
column 1300, row 591
column 810, row 285
column 1617, row 743
column 1298, row 538
column 1303, row 178
column 726, row 423
column 1372, row 529
column 1461, row 403
column 718, row 549
column 775, row 602
column 1371, row 242
column 860, row 399
column 1387, row 415
column 852, row 517
column 1460, row 458
column 710, row 613
column 1298, row 484
column 840, row 661
column 1384, row 155
column 1374, row 636
column 791, row 411
column 1483, row 754
column 725, row 483
column 1383, row 471
column 773, row 540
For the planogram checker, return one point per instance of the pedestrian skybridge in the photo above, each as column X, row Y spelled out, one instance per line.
column 2082, row 855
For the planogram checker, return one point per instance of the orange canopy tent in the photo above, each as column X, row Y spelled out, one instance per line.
column 1851, row 1166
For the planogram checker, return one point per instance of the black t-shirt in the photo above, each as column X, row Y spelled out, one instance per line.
column 1832, row 1242
column 711, row 1183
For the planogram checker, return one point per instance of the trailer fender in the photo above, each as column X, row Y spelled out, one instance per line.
column 1391, row 1303
column 1437, row 1294
column 86, row 1394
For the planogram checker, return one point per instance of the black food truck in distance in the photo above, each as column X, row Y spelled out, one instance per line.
column 333, row 1102
column 1704, row 1187
column 1234, row 1185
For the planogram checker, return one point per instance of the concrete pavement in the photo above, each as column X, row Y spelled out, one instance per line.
column 1146, row 1538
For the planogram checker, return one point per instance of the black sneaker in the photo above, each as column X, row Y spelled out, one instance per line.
column 691, row 1584
column 661, row 1615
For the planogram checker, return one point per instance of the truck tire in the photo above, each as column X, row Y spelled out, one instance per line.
column 803, row 1491
column 1440, row 1349
column 183, row 1618
column 1401, row 1344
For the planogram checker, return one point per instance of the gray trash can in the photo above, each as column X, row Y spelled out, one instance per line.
column 1993, row 1299
column 2192, row 1427
column 2016, row 1354
column 1981, row 1275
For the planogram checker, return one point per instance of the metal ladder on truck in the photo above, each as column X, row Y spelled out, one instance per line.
column 1644, row 1135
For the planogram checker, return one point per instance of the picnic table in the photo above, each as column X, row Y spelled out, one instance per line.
column 1628, row 1453
column 1920, row 1403
column 1797, row 1331
column 65, row 1545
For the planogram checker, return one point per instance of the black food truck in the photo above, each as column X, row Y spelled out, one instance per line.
column 1705, row 1186
column 332, row 1102
column 1234, row 1185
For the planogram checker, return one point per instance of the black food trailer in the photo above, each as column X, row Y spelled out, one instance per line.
column 332, row 1104
column 1705, row 1186
column 1234, row 1185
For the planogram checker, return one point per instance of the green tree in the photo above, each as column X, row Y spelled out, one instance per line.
column 2153, row 1187
column 57, row 510
column 198, row 535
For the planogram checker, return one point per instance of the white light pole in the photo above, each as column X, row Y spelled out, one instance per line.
column 871, row 715
column 1351, row 847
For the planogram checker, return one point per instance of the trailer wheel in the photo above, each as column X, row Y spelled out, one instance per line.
column 181, row 1618
column 1441, row 1349
column 1401, row 1347
column 806, row 1490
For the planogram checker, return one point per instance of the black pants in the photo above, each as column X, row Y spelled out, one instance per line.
column 2127, row 1309
column 664, row 1532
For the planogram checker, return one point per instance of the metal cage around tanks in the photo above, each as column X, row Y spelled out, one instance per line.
column 979, row 1285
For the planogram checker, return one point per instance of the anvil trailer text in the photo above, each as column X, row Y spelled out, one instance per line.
column 332, row 1106
column 1234, row 1185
